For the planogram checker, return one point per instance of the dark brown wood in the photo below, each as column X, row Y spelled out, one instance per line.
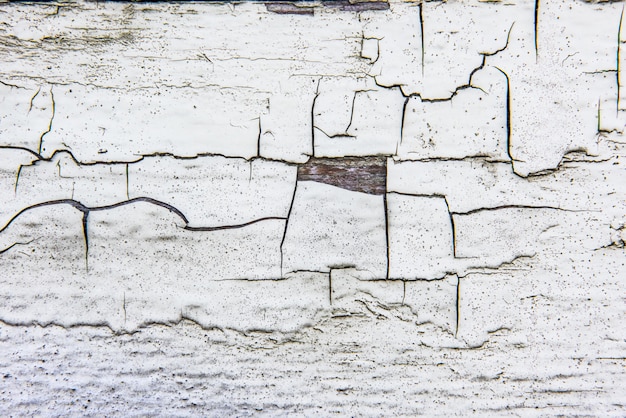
column 359, row 174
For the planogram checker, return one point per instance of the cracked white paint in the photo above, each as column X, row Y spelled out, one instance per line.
column 153, row 194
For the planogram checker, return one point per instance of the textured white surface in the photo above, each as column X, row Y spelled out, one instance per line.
column 164, row 250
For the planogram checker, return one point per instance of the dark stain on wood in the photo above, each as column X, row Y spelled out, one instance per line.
column 285, row 8
column 359, row 174
column 356, row 6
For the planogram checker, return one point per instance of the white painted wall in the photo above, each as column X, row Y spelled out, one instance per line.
column 160, row 254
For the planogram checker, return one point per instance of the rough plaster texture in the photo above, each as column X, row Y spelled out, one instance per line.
column 352, row 208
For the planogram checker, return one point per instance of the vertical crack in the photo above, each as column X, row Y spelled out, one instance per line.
column 258, row 141
column 127, row 188
column 51, row 119
column 508, row 114
column 295, row 188
column 404, row 106
column 619, row 49
column 386, row 229
column 599, row 127
column 403, row 291
column 30, row 105
column 86, row 235
column 330, row 286
column 458, row 305
column 422, row 33
column 17, row 178
column 452, row 226
column 352, row 111
column 317, row 93
column 124, row 307
column 536, row 29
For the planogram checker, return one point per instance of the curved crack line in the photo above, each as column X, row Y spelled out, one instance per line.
column 462, row 87
column 477, row 210
column 16, row 244
column 85, row 210
column 236, row 226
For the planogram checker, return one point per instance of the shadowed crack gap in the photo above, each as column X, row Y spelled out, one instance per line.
column 619, row 48
column 317, row 93
column 508, row 117
column 282, row 241
column 421, row 12
column 16, row 244
column 51, row 120
column 458, row 306
column 536, row 27
column 386, row 209
column 30, row 104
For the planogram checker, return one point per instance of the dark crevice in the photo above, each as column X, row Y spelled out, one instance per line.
column 536, row 26
column 86, row 236
column 51, row 120
column 404, row 106
column 127, row 183
column 403, row 291
column 460, row 88
column 96, row 325
column 282, row 241
column 12, row 85
column 330, row 287
column 618, row 69
column 85, row 210
column 18, row 148
column 308, row 271
column 458, row 306
column 334, row 136
column 452, row 226
column 475, row 157
column 386, row 209
column 351, row 112
column 237, row 226
column 421, row 12
column 124, row 307
column 477, row 210
column 140, row 158
column 16, row 244
column 508, row 116
column 599, row 129
column 59, row 171
column 317, row 93
column 497, row 51
column 258, row 141
column 248, row 279
column 17, row 178
column 482, row 269
column 30, row 104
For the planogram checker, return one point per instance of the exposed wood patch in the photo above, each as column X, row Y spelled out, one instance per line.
column 359, row 174
column 284, row 8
